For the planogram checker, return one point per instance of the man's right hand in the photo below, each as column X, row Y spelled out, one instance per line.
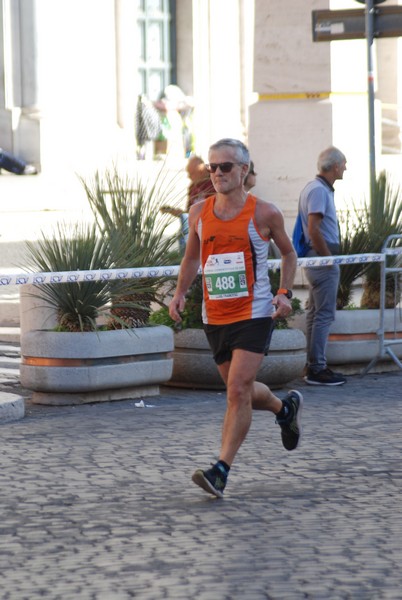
column 176, row 306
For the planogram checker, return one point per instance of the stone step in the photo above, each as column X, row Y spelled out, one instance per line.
column 9, row 312
column 10, row 334
column 12, row 407
column 10, row 354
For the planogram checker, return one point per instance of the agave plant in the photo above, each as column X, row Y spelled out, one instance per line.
column 72, row 248
column 353, row 240
column 128, row 215
column 128, row 231
column 364, row 231
column 385, row 218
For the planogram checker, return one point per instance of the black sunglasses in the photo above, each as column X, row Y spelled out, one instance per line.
column 225, row 167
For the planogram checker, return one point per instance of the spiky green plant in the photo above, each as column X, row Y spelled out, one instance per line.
column 72, row 248
column 364, row 230
column 129, row 231
column 127, row 213
column 353, row 240
column 385, row 219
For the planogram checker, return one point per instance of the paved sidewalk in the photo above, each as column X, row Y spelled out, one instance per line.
column 97, row 501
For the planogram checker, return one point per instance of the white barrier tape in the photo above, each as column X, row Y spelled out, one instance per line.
column 327, row 261
column 346, row 259
column 173, row 271
column 85, row 276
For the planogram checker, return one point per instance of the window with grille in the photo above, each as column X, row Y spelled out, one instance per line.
column 154, row 22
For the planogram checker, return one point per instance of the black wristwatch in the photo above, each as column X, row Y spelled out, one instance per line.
column 285, row 292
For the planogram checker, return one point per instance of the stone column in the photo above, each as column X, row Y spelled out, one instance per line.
column 291, row 122
column 311, row 95
column 126, row 64
column 217, row 60
column 19, row 125
column 387, row 51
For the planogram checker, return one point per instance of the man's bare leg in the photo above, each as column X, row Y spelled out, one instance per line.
column 239, row 375
column 243, row 395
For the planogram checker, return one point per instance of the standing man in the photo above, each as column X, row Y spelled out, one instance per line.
column 320, row 227
column 251, row 178
column 229, row 235
column 200, row 187
column 15, row 165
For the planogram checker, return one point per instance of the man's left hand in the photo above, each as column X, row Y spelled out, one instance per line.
column 283, row 307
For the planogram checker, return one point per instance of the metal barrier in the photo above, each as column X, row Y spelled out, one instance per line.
column 385, row 344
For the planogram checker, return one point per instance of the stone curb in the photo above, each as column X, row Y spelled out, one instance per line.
column 12, row 407
column 10, row 335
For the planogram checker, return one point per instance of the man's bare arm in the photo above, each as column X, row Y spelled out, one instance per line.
column 188, row 268
column 317, row 240
column 288, row 258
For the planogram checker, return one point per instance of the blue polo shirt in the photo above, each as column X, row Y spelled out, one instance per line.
column 318, row 197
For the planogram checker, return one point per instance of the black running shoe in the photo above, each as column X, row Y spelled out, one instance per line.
column 212, row 481
column 324, row 377
column 291, row 426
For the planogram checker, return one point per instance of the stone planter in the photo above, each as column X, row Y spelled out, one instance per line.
column 194, row 367
column 353, row 341
column 76, row 368
column 286, row 358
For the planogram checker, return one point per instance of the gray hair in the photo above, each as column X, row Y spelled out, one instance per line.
column 242, row 152
column 328, row 158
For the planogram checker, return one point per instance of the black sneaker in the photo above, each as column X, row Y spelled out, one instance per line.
column 291, row 426
column 212, row 481
column 324, row 377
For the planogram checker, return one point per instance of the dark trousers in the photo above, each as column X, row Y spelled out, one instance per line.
column 11, row 163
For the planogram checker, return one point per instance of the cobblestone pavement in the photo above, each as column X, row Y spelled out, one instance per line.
column 97, row 501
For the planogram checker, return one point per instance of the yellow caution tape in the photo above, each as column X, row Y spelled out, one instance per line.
column 294, row 96
column 305, row 95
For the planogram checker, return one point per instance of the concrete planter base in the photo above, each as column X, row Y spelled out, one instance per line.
column 194, row 367
column 74, row 368
column 286, row 358
column 353, row 341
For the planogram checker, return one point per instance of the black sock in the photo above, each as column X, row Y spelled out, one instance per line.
column 284, row 412
column 225, row 466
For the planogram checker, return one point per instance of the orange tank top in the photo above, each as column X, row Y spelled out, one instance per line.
column 234, row 265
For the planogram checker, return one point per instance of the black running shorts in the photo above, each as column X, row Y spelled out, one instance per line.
column 253, row 335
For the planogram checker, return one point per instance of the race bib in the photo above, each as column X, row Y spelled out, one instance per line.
column 225, row 276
